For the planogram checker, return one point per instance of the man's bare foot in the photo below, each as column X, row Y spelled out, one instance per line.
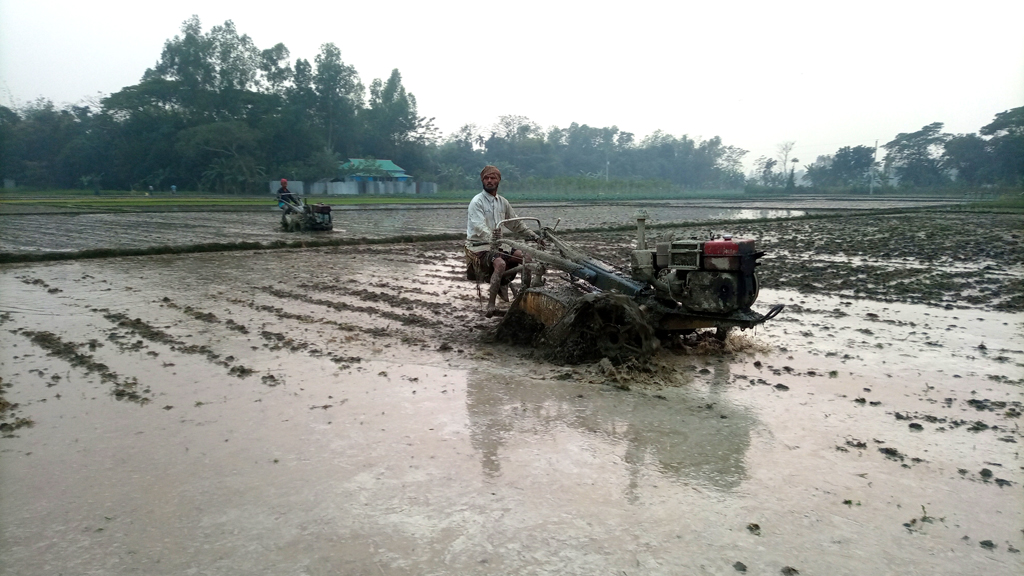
column 492, row 311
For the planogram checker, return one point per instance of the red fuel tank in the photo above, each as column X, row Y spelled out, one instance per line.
column 732, row 247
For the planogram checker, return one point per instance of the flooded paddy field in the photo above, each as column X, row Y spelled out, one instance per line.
column 342, row 411
column 62, row 232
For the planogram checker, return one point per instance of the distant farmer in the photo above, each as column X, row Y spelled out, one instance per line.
column 284, row 195
column 173, row 188
column 486, row 210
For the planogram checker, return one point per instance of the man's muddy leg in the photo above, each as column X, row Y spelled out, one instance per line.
column 527, row 275
column 499, row 270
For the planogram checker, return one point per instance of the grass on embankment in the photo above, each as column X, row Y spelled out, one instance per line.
column 80, row 202
column 1009, row 204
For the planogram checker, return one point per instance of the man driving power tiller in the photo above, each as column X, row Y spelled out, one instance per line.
column 486, row 210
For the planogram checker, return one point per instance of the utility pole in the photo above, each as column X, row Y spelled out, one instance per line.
column 871, row 171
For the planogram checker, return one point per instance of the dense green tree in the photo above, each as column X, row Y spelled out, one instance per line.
column 852, row 165
column 819, row 173
column 1007, row 145
column 524, row 151
column 145, row 120
column 276, row 71
column 339, row 94
column 915, row 157
column 458, row 159
column 214, row 72
column 970, row 156
column 46, row 145
column 295, row 137
column 849, row 166
column 392, row 126
column 691, row 163
column 9, row 119
column 225, row 153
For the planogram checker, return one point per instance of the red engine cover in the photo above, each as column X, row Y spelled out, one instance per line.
column 735, row 247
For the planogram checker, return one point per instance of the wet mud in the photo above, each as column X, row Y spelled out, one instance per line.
column 346, row 410
column 956, row 260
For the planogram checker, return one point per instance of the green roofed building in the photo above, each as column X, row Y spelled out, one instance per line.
column 371, row 170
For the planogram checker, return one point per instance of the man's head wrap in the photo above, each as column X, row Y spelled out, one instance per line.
column 490, row 170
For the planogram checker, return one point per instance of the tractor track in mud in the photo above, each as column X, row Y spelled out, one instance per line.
column 136, row 327
column 122, row 388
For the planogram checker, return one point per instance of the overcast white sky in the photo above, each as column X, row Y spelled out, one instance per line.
column 822, row 74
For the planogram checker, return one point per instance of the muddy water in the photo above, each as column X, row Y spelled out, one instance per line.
column 301, row 412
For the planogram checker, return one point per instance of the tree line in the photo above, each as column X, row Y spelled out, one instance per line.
column 927, row 158
column 217, row 113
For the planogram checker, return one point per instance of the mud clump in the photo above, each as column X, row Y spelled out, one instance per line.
column 208, row 317
column 706, row 343
column 8, row 427
column 240, row 371
column 345, row 362
column 518, row 328
column 140, row 327
column 978, row 426
column 232, row 325
column 9, row 419
column 277, row 341
column 892, row 453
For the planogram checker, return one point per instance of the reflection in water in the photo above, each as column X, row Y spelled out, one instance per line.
column 695, row 435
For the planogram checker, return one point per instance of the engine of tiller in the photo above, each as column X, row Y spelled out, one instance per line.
column 713, row 276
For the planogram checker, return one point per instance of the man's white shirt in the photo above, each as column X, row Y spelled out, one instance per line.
column 485, row 211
